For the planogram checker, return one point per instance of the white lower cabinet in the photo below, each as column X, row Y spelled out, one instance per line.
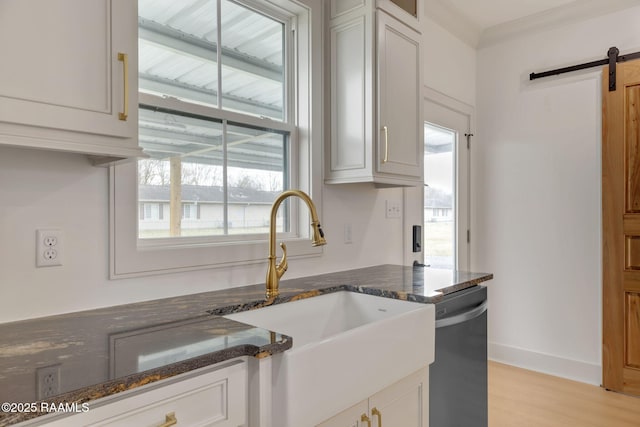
column 210, row 398
column 405, row 403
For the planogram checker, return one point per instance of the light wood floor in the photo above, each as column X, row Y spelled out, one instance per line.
column 521, row 398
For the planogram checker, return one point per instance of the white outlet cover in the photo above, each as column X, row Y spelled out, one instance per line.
column 49, row 247
column 48, row 381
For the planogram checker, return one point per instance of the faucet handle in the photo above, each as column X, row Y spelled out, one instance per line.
column 282, row 265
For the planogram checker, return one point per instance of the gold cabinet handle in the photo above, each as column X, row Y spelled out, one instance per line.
column 366, row 419
column 377, row 413
column 169, row 420
column 386, row 144
column 124, row 58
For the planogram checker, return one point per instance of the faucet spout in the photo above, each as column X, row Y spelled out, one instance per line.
column 275, row 272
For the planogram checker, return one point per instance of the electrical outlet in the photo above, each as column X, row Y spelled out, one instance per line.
column 393, row 209
column 49, row 247
column 48, row 381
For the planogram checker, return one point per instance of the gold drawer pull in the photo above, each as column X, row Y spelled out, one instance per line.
column 169, row 420
column 124, row 58
column 366, row 419
column 377, row 413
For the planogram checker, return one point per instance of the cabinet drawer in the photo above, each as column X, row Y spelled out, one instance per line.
column 213, row 398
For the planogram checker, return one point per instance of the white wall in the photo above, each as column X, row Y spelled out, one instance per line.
column 536, row 195
column 41, row 189
column 449, row 63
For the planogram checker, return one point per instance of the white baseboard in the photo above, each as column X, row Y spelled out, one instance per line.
column 553, row 365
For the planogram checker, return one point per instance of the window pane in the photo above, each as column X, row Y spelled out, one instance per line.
column 178, row 49
column 197, row 203
column 439, row 214
column 191, row 149
column 252, row 62
column 257, row 174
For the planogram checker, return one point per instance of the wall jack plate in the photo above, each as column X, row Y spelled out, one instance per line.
column 48, row 381
column 49, row 248
column 393, row 209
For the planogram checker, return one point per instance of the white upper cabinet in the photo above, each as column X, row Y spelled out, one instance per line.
column 69, row 75
column 375, row 122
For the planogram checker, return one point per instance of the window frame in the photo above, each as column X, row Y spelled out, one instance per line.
column 131, row 256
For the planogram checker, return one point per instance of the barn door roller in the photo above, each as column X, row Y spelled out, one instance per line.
column 613, row 57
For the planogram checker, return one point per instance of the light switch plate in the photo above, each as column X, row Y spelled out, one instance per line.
column 393, row 209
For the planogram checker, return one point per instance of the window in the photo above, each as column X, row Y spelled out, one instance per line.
column 150, row 211
column 211, row 163
column 231, row 61
column 189, row 211
column 225, row 116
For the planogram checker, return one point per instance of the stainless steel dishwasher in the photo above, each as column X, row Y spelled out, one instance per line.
column 458, row 376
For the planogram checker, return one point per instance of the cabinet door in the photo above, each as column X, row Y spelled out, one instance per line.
column 399, row 148
column 404, row 403
column 352, row 96
column 351, row 417
column 212, row 399
column 61, row 68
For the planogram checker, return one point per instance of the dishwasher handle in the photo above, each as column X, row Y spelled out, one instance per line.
column 463, row 317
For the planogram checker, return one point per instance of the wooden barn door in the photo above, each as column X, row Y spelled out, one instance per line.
column 621, row 229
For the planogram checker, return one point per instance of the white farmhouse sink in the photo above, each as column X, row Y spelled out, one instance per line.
column 346, row 347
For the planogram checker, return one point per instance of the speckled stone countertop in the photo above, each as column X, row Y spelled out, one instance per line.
column 105, row 351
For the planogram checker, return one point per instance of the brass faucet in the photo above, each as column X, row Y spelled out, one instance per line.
column 274, row 273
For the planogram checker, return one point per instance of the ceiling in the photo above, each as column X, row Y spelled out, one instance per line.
column 485, row 22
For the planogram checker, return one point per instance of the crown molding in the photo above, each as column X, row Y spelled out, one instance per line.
column 552, row 18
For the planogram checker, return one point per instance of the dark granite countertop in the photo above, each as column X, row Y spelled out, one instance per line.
column 105, row 351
